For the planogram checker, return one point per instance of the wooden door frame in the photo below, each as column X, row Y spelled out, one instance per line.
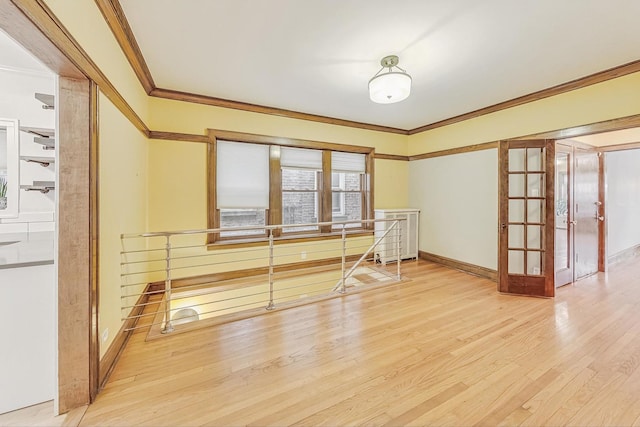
column 503, row 189
column 77, row 287
column 603, row 250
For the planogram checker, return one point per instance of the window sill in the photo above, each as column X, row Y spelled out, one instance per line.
column 293, row 238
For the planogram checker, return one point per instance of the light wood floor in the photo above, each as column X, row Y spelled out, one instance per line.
column 443, row 349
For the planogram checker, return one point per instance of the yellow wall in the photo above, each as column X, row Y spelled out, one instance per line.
column 178, row 116
column 603, row 101
column 391, row 184
column 123, row 205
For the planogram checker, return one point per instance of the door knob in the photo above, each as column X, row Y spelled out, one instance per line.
column 574, row 222
column 599, row 218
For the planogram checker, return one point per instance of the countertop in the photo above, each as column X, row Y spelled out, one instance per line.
column 26, row 249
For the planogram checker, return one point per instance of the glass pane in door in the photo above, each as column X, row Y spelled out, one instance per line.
column 516, row 210
column 535, row 211
column 516, row 236
column 535, row 185
column 562, row 211
column 516, row 185
column 535, row 159
column 516, row 262
column 534, row 263
column 517, row 159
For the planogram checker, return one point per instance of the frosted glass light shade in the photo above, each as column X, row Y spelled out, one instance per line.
column 390, row 87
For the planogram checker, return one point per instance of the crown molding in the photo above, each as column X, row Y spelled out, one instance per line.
column 117, row 22
column 611, row 73
column 589, row 129
column 226, row 103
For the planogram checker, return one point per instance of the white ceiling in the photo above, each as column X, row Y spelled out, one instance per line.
column 316, row 56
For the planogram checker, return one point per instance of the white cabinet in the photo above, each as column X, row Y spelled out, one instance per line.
column 386, row 251
column 27, row 328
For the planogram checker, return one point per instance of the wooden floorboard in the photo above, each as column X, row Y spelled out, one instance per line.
column 444, row 348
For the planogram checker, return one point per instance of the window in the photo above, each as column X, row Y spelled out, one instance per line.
column 242, row 177
column 301, row 176
column 260, row 180
column 347, row 186
column 337, row 195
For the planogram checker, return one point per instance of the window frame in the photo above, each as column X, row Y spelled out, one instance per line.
column 274, row 213
column 317, row 206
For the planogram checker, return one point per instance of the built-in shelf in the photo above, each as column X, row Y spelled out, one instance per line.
column 47, row 143
column 47, row 100
column 42, row 161
column 41, row 132
column 41, row 186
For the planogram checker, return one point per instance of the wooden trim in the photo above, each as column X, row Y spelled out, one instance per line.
column 380, row 156
column 624, row 255
column 503, row 216
column 111, row 356
column 74, row 243
column 620, row 147
column 549, row 244
column 612, row 73
column 589, row 129
column 117, row 22
column 603, row 229
column 244, row 106
column 369, row 189
column 17, row 25
column 287, row 142
column 213, row 219
column 459, row 150
column 42, row 17
column 473, row 269
column 176, row 136
column 94, row 257
column 326, row 193
column 275, row 189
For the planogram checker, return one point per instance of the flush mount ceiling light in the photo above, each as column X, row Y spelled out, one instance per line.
column 391, row 86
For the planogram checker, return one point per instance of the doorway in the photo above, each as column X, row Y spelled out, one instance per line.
column 577, row 212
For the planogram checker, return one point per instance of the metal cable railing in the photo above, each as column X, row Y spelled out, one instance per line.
column 170, row 278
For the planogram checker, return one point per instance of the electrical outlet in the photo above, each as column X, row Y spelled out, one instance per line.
column 105, row 335
column 303, row 255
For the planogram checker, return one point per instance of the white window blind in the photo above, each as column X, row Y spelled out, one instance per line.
column 347, row 162
column 242, row 175
column 301, row 158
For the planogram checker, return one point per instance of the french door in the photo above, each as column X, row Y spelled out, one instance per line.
column 587, row 210
column 578, row 213
column 526, row 242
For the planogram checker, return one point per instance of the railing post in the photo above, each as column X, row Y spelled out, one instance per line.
column 270, row 306
column 398, row 255
column 343, row 287
column 168, row 327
